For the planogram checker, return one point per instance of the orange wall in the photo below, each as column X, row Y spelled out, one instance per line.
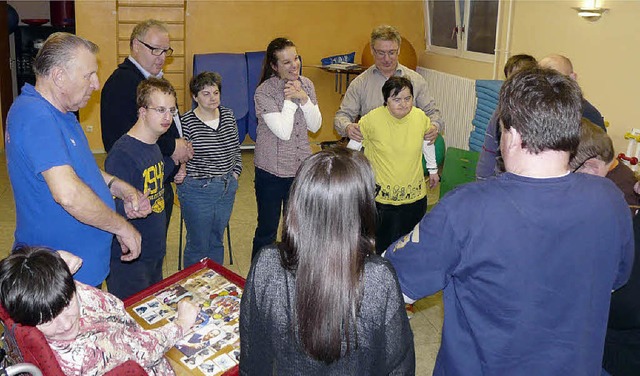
column 96, row 21
column 319, row 29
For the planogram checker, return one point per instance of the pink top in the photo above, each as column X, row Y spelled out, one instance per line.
column 109, row 337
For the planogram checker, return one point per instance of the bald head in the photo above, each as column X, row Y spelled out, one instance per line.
column 558, row 63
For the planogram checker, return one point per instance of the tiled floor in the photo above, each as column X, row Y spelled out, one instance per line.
column 426, row 322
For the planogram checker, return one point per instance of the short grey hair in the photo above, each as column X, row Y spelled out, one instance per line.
column 141, row 29
column 385, row 32
column 59, row 50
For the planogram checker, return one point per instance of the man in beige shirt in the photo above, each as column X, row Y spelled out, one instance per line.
column 365, row 92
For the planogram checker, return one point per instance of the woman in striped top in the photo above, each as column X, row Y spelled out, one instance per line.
column 208, row 191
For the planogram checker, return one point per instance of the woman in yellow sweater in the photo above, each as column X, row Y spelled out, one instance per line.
column 394, row 144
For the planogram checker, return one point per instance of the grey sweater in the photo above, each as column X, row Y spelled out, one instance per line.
column 268, row 339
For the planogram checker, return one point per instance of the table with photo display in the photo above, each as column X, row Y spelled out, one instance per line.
column 212, row 347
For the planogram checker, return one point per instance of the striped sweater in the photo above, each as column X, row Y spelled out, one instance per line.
column 216, row 152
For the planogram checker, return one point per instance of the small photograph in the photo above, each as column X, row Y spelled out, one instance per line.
column 215, row 283
column 189, row 361
column 231, row 328
column 227, row 340
column 189, row 349
column 216, row 346
column 209, row 368
column 151, row 317
column 193, row 283
column 205, row 353
column 209, row 274
column 201, row 321
column 225, row 308
column 203, row 290
column 141, row 309
column 173, row 304
column 234, row 291
column 198, row 341
column 165, row 313
column 173, row 294
column 190, row 345
column 235, row 355
column 224, row 361
column 192, row 361
column 224, row 290
column 153, row 303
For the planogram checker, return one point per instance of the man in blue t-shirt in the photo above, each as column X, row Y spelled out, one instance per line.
column 63, row 200
column 527, row 260
column 137, row 159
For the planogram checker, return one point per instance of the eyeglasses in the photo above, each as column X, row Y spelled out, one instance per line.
column 163, row 110
column 156, row 51
column 390, row 53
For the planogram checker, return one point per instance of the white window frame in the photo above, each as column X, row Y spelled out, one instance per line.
column 461, row 51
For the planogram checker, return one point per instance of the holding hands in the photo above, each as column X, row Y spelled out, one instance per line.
column 183, row 151
column 137, row 205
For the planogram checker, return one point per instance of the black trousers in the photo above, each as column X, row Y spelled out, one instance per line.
column 168, row 201
column 394, row 221
column 272, row 195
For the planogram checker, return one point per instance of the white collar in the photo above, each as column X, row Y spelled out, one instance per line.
column 142, row 70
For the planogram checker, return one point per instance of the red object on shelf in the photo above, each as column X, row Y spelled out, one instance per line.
column 35, row 21
column 632, row 160
column 63, row 13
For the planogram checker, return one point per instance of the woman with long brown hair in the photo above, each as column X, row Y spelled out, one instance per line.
column 321, row 302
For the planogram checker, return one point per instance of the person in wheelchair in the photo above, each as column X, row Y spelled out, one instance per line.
column 88, row 330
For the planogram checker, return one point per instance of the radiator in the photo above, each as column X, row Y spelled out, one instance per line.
column 455, row 96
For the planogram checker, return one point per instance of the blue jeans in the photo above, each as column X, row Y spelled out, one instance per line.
column 206, row 206
column 272, row 194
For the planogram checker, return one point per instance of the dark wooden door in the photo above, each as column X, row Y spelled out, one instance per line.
column 6, row 92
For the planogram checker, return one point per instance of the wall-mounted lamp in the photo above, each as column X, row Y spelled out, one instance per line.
column 590, row 13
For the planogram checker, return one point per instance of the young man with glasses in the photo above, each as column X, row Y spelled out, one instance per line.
column 150, row 46
column 136, row 159
column 365, row 92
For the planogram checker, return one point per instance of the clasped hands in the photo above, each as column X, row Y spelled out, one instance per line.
column 294, row 90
